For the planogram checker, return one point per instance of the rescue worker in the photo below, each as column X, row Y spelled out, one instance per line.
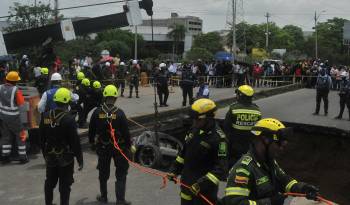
column 60, row 144
column 202, row 162
column 162, row 79
column 97, row 95
column 11, row 128
column 84, row 93
column 188, row 80
column 80, row 77
column 99, row 125
column 121, row 77
column 257, row 178
column 46, row 102
column 344, row 95
column 323, row 86
column 239, row 120
column 134, row 74
column 42, row 81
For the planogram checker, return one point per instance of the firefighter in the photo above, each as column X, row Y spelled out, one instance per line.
column 99, row 125
column 344, row 95
column 60, row 144
column 202, row 161
column 257, row 178
column 121, row 76
column 134, row 74
column 84, row 93
column 42, row 81
column 96, row 95
column 239, row 120
column 11, row 128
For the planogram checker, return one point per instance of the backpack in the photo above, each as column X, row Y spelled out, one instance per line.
column 322, row 83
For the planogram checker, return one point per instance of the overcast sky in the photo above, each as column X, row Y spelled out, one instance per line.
column 215, row 13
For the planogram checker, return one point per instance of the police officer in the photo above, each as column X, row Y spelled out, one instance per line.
column 11, row 128
column 323, row 86
column 42, row 81
column 257, row 178
column 99, row 125
column 239, row 120
column 121, row 76
column 46, row 102
column 188, row 80
column 344, row 95
column 134, row 78
column 202, row 162
column 60, row 144
column 162, row 79
column 84, row 93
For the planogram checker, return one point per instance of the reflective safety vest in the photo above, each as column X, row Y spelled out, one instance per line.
column 50, row 104
column 7, row 100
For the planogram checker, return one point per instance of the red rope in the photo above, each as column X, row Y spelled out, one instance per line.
column 319, row 198
column 151, row 171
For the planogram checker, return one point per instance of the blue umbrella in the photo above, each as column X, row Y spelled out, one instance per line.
column 223, row 56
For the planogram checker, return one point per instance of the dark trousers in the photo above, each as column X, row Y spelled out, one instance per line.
column 105, row 155
column 324, row 96
column 131, row 87
column 187, row 91
column 11, row 135
column 163, row 94
column 121, row 86
column 84, row 113
column 63, row 175
column 344, row 101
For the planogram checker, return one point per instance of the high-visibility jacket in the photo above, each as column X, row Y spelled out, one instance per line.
column 254, row 183
column 8, row 100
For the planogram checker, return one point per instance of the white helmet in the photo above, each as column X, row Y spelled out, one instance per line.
column 162, row 65
column 56, row 77
column 108, row 64
column 122, row 63
column 134, row 62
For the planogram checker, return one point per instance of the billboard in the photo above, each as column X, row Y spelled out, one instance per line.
column 346, row 33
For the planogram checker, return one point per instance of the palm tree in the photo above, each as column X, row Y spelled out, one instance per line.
column 177, row 34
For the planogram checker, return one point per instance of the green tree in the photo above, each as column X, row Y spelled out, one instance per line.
column 177, row 34
column 29, row 16
column 297, row 36
column 211, row 41
column 199, row 53
column 115, row 47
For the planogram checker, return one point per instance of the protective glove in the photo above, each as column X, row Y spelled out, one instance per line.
column 81, row 165
column 310, row 191
column 278, row 199
column 195, row 189
column 172, row 177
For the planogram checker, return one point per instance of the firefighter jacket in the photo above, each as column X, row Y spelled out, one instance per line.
column 99, row 125
column 254, row 183
column 60, row 142
column 203, row 158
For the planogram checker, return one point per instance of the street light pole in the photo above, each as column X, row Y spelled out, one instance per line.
column 316, row 33
column 135, row 55
column 234, row 14
column 267, row 31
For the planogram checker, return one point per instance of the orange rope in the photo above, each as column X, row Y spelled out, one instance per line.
column 319, row 198
column 151, row 171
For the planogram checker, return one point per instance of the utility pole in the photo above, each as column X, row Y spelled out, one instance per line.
column 56, row 11
column 267, row 31
column 316, row 36
column 135, row 55
column 234, row 17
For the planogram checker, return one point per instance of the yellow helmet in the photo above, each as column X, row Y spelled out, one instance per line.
column 44, row 71
column 96, row 84
column 110, row 91
column 203, row 108
column 80, row 76
column 85, row 82
column 246, row 90
column 13, row 76
column 273, row 128
column 62, row 95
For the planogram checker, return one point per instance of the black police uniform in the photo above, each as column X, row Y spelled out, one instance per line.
column 121, row 75
column 344, row 97
column 253, row 183
column 203, row 161
column 60, row 144
column 323, row 86
column 84, row 93
column 93, row 98
column 162, row 79
column 134, row 80
column 188, row 80
column 99, row 125
column 239, row 120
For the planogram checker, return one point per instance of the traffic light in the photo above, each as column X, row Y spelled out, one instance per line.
column 148, row 6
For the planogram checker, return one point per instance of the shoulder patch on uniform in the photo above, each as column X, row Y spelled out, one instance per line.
column 246, row 160
column 222, row 149
column 241, row 180
column 262, row 180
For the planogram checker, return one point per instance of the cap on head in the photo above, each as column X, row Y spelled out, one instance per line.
column 13, row 76
column 134, row 62
column 56, row 77
column 110, row 91
column 62, row 95
column 122, row 63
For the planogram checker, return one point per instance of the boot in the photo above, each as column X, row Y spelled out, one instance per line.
column 48, row 195
column 338, row 117
column 130, row 95
column 64, row 197
column 122, row 93
column 6, row 160
column 23, row 159
column 103, row 196
column 137, row 94
column 120, row 186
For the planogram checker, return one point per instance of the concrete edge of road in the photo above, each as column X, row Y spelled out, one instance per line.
column 318, row 129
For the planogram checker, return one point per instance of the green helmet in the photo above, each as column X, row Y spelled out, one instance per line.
column 44, row 71
column 96, row 84
column 85, row 82
column 110, row 91
column 62, row 95
column 80, row 76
